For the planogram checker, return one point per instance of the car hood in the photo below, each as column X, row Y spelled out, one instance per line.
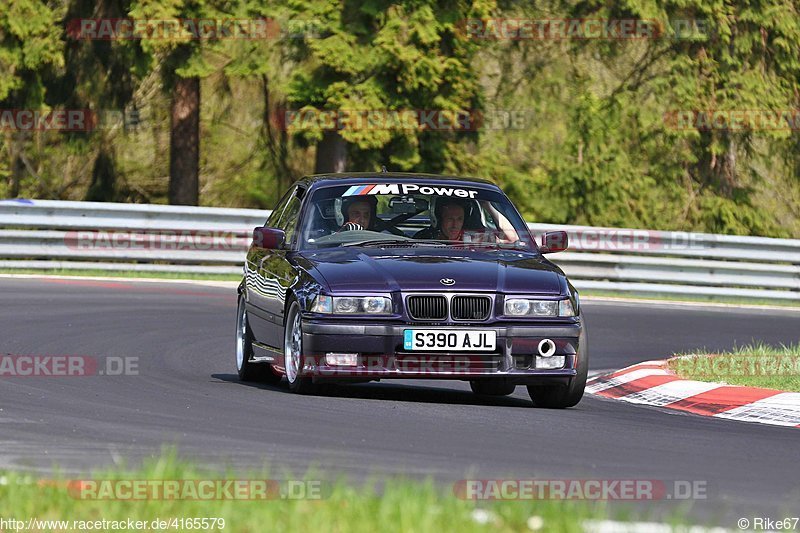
column 386, row 270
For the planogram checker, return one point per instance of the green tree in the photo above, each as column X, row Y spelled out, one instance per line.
column 738, row 56
column 30, row 52
column 377, row 55
column 182, row 58
column 101, row 75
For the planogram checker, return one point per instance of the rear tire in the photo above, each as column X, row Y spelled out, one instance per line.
column 491, row 388
column 293, row 352
column 559, row 396
column 247, row 370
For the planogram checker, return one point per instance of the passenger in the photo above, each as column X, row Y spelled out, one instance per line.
column 451, row 222
column 451, row 215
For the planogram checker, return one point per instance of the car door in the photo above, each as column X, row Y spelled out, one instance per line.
column 257, row 292
column 274, row 273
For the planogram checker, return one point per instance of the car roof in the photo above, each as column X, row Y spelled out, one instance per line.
column 355, row 178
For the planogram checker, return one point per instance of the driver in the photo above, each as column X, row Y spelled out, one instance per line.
column 359, row 213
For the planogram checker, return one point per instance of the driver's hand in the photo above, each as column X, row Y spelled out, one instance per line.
column 351, row 226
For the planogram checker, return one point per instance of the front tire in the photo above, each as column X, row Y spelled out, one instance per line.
column 247, row 370
column 293, row 352
column 559, row 396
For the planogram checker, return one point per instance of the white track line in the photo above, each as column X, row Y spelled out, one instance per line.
column 594, row 388
column 670, row 392
column 779, row 410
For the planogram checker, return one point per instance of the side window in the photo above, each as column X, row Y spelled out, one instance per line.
column 488, row 217
column 275, row 216
column 288, row 220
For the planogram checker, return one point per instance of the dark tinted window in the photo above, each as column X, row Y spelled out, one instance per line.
column 288, row 219
column 275, row 216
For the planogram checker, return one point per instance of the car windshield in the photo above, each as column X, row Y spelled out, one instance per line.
column 412, row 215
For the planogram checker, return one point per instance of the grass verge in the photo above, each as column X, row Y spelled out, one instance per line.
column 391, row 505
column 752, row 365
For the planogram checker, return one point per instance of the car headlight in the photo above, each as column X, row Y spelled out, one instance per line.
column 345, row 305
column 375, row 305
column 529, row 307
column 352, row 305
column 518, row 307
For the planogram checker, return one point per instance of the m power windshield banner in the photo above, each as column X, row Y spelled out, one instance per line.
column 408, row 188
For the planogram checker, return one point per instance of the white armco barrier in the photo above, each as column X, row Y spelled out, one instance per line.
column 48, row 234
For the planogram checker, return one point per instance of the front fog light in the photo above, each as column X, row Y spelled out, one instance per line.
column 550, row 363
column 341, row 359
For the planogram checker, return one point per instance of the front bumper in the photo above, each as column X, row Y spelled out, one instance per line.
column 381, row 355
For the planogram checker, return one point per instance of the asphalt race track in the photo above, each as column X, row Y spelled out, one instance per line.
column 186, row 393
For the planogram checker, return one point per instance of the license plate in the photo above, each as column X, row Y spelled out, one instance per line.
column 449, row 340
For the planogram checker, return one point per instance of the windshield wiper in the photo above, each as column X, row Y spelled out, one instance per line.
column 436, row 242
column 433, row 242
column 502, row 245
column 402, row 242
column 380, row 242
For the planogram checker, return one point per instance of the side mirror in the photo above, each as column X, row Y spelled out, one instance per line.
column 554, row 241
column 270, row 238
